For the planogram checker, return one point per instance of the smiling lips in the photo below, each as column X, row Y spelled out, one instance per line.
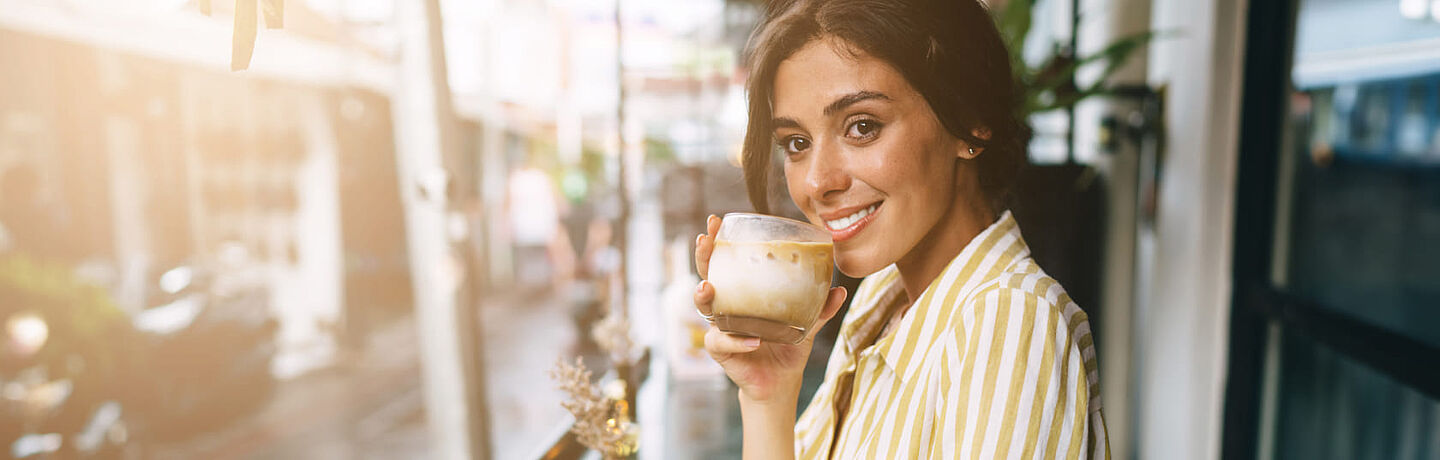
column 846, row 226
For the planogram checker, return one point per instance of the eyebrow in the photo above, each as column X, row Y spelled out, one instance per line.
column 784, row 122
column 839, row 104
column 852, row 99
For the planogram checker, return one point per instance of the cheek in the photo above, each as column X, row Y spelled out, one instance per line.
column 909, row 168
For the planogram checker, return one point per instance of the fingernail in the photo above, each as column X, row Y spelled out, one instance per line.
column 698, row 237
column 753, row 342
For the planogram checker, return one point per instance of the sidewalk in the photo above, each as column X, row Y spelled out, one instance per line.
column 524, row 337
column 371, row 405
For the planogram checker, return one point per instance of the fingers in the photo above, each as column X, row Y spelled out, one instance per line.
column 704, row 295
column 705, row 245
column 720, row 345
column 712, row 224
column 832, row 305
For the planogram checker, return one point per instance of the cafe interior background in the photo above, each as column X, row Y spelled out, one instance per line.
column 389, row 228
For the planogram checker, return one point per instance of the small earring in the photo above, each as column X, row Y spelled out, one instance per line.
column 972, row 151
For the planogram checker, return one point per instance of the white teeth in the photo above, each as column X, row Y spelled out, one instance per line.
column 847, row 221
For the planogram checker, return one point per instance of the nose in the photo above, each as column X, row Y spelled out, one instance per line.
column 826, row 175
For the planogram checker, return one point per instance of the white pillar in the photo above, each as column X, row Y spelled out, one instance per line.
column 449, row 358
column 1183, row 337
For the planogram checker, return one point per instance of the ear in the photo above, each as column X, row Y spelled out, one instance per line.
column 969, row 152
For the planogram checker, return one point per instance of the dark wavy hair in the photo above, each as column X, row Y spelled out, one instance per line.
column 948, row 50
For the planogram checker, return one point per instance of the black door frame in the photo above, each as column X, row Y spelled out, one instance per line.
column 1255, row 301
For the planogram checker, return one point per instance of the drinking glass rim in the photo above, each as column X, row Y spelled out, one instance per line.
column 817, row 233
column 768, row 216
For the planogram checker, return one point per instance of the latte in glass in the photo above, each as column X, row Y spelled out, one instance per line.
column 771, row 276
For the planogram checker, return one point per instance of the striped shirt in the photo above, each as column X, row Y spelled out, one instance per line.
column 993, row 361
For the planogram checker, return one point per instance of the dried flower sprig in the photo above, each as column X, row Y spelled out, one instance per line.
column 601, row 422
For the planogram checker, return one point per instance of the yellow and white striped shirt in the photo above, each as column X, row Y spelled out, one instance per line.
column 993, row 361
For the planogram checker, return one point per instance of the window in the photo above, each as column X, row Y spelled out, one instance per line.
column 1336, row 319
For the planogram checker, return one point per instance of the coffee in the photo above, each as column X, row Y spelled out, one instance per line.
column 769, row 289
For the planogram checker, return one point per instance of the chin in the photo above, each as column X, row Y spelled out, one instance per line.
column 857, row 265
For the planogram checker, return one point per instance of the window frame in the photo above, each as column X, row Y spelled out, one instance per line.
column 1256, row 302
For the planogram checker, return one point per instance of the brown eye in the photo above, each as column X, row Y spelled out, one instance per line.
column 862, row 129
column 795, row 144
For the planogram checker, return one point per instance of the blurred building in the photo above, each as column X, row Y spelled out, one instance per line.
column 146, row 156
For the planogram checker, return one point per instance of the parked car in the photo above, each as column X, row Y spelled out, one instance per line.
column 207, row 347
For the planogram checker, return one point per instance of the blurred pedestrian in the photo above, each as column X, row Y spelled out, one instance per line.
column 534, row 225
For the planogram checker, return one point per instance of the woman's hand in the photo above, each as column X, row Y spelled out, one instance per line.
column 765, row 371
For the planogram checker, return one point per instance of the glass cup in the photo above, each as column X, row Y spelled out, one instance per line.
column 771, row 276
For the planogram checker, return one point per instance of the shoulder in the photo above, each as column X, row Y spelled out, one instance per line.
column 1021, row 281
column 1022, row 310
column 1021, row 297
column 1017, row 308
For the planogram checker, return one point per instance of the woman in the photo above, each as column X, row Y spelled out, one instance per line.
column 896, row 125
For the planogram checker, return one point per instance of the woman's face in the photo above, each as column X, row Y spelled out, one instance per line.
column 865, row 155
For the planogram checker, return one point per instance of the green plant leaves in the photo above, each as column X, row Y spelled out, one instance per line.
column 1013, row 20
column 1051, row 85
column 1048, row 87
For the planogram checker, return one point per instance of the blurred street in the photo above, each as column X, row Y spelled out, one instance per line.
column 370, row 405
column 367, row 406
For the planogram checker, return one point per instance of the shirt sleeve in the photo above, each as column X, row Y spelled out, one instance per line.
column 1014, row 382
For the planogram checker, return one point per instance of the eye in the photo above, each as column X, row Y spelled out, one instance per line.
column 794, row 144
column 863, row 129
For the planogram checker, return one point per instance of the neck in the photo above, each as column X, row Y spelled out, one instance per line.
column 961, row 223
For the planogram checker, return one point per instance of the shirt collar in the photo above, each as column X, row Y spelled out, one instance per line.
column 876, row 298
column 930, row 315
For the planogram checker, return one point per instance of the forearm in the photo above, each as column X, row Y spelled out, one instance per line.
column 768, row 428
